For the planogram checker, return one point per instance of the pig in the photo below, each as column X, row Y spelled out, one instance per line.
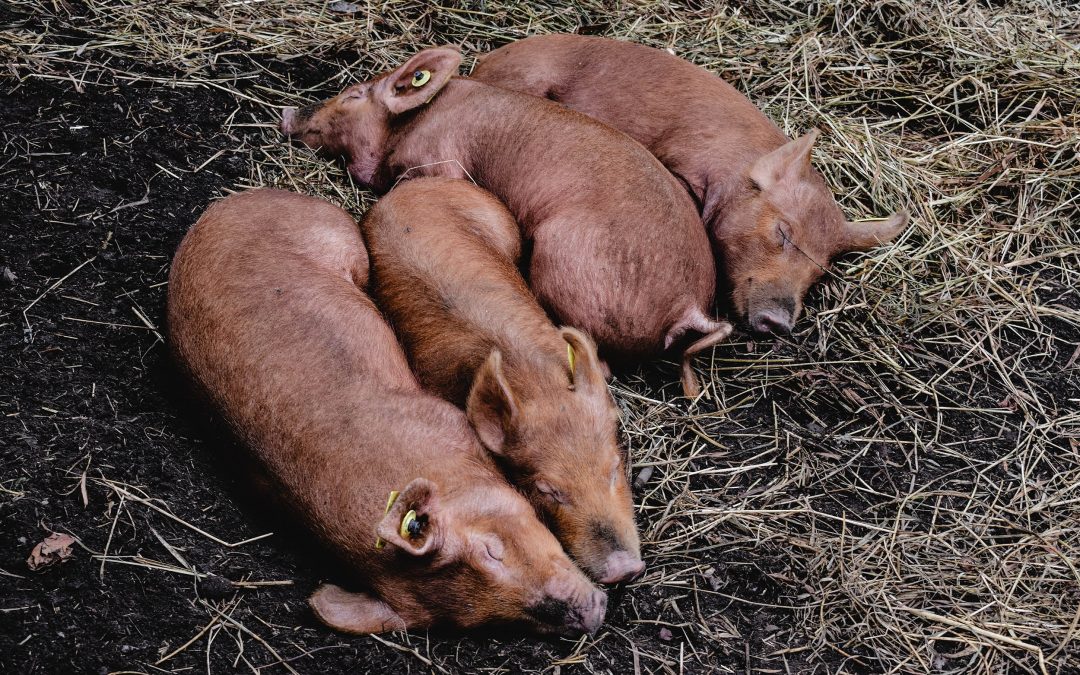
column 774, row 225
column 616, row 245
column 444, row 259
column 268, row 316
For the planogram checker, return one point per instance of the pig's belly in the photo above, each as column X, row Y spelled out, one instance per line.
column 625, row 297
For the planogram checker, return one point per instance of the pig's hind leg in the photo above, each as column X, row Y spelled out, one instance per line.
column 714, row 331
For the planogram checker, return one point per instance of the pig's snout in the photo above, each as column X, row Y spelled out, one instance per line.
column 591, row 616
column 571, row 606
column 587, row 615
column 288, row 121
column 774, row 319
column 622, row 566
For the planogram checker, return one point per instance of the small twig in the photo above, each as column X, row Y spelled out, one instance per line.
column 51, row 288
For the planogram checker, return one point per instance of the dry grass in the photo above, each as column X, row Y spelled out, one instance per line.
column 897, row 486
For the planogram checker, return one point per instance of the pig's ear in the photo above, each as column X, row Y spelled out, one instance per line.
column 416, row 82
column 789, row 161
column 582, row 362
column 870, row 233
column 411, row 521
column 354, row 612
column 491, row 407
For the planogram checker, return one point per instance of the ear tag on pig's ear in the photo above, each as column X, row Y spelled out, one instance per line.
column 379, row 543
column 410, row 526
column 420, row 78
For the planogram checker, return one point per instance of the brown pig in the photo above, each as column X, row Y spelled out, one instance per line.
column 772, row 220
column 268, row 316
column 443, row 259
column 617, row 247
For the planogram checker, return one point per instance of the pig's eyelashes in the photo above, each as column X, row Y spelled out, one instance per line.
column 551, row 493
column 493, row 550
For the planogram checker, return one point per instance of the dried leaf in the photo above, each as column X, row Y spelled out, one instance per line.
column 54, row 549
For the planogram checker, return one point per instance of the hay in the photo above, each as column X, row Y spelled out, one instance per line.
column 897, row 486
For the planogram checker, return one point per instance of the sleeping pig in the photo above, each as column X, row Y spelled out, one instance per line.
column 268, row 316
column 617, row 247
column 773, row 221
column 443, row 259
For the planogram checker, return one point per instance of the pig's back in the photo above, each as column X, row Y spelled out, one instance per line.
column 697, row 124
column 266, row 276
column 443, row 256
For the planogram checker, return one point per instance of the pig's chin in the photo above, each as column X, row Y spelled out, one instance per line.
column 566, row 630
column 365, row 170
column 569, row 618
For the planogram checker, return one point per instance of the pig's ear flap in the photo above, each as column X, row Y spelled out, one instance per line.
column 357, row 613
column 789, row 161
column 582, row 362
column 411, row 522
column 415, row 83
column 870, row 233
column 491, row 406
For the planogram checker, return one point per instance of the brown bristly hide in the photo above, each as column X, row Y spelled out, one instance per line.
column 268, row 315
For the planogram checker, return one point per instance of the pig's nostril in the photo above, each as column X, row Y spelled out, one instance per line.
column 600, row 598
column 775, row 321
column 593, row 616
column 288, row 117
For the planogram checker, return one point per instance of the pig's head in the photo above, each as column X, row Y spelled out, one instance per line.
column 556, row 434
column 356, row 124
column 780, row 236
column 466, row 558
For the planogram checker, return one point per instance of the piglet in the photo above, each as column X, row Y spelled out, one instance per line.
column 774, row 224
column 268, row 316
column 443, row 257
column 617, row 248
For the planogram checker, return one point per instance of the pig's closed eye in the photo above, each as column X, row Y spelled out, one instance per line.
column 549, row 492
column 494, row 552
column 356, row 94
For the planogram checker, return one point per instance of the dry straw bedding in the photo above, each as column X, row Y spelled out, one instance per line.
column 897, row 485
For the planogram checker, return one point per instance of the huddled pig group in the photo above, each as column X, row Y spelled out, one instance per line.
column 426, row 394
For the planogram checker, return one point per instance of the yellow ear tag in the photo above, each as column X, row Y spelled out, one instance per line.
column 420, row 78
column 405, row 523
column 572, row 358
column 379, row 543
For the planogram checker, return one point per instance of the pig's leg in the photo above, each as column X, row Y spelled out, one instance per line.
column 715, row 333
